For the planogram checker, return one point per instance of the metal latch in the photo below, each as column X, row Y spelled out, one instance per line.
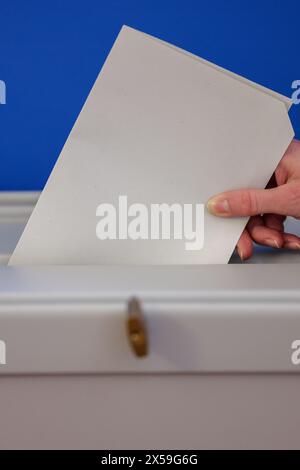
column 136, row 328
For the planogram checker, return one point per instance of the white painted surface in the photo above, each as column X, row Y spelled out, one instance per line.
column 199, row 318
column 245, row 411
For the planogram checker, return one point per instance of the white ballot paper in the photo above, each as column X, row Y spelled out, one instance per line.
column 159, row 127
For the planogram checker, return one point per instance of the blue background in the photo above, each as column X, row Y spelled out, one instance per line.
column 51, row 53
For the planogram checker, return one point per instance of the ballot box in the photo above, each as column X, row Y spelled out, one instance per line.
column 160, row 357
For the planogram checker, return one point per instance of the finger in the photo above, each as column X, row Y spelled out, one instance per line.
column 283, row 200
column 274, row 221
column 264, row 235
column 245, row 246
column 291, row 242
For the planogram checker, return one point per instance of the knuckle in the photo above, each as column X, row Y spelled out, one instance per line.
column 291, row 199
column 293, row 196
column 281, row 173
column 249, row 203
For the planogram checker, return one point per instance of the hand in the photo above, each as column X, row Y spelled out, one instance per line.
column 268, row 208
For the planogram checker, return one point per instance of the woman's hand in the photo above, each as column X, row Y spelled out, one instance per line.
column 268, row 208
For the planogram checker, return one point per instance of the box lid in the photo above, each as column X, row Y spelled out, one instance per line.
column 218, row 318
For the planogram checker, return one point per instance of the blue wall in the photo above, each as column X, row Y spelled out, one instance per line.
column 51, row 53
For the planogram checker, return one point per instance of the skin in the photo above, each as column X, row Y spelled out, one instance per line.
column 267, row 208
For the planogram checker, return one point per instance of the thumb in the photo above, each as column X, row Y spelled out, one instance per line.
column 248, row 202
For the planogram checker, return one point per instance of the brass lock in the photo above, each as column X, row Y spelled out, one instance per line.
column 136, row 328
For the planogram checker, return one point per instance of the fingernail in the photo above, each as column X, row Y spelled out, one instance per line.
column 241, row 254
column 218, row 206
column 292, row 245
column 272, row 242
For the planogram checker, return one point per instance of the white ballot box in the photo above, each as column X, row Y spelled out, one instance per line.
column 204, row 357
